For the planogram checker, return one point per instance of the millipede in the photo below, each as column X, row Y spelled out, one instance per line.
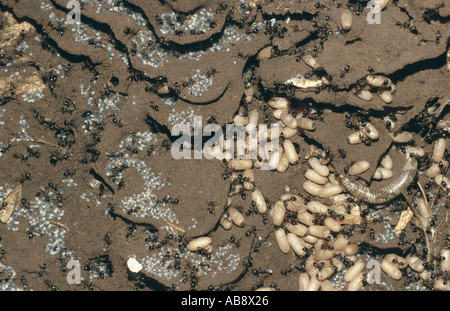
column 397, row 186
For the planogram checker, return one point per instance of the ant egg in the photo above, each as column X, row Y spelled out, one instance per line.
column 415, row 263
column 346, row 19
column 288, row 132
column 354, row 271
column 387, row 163
column 288, row 119
column 332, row 224
column 253, row 118
column 282, row 240
column 297, row 229
column 445, row 263
column 438, row 150
column 134, row 265
column 385, row 95
column 319, row 168
column 319, row 231
column 324, row 273
column 434, row 170
column 383, row 4
column 297, row 206
column 225, row 222
column 414, row 150
column 196, row 244
column 283, row 164
column 279, row 103
column 258, row 164
column 290, row 152
column 313, row 176
column 399, row 261
column 378, row 81
column 382, row 173
column 323, row 254
column 340, row 243
column 279, row 212
column 292, row 197
column 312, row 188
column 236, row 217
column 249, row 92
column 312, row 62
column 317, row 207
column 240, row 120
column 338, row 264
column 311, row 240
column 303, row 281
column 277, row 113
column 305, row 123
column 355, row 138
column 249, row 179
column 333, row 179
column 402, row 137
column 356, row 284
column 313, row 285
column 359, row 168
column 440, row 285
column 330, row 190
column 306, row 218
column 235, row 190
column 439, row 179
column 370, row 131
column 391, row 269
column 425, row 275
column 351, row 250
column 259, row 200
column 275, row 158
column 240, row 164
column 364, row 93
column 326, row 286
column 297, row 244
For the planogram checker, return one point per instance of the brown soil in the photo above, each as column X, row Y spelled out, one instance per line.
column 410, row 47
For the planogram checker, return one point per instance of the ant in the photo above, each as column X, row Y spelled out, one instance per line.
column 107, row 239
column 131, row 229
column 166, row 144
column 211, row 206
column 150, row 150
column 212, row 119
column 51, row 285
column 233, row 240
column 26, row 177
column 167, row 199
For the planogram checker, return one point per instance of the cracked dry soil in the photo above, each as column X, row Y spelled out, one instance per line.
column 87, row 110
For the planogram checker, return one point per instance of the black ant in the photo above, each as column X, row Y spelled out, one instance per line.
column 107, row 239
column 166, row 144
column 210, row 72
column 211, row 206
column 167, row 199
column 26, row 177
column 51, row 285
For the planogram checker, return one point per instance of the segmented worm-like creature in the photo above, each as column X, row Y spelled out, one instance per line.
column 387, row 193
